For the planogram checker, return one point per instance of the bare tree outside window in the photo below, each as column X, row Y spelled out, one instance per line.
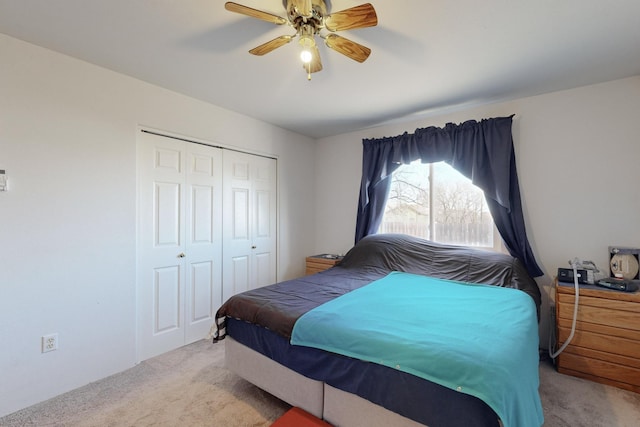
column 436, row 202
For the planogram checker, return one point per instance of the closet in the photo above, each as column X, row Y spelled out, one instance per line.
column 206, row 230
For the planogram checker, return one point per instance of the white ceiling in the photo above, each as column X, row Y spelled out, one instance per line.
column 427, row 55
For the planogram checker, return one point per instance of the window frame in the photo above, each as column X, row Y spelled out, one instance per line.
column 498, row 244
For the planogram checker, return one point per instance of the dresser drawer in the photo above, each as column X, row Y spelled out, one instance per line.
column 601, row 342
column 600, row 370
column 618, row 314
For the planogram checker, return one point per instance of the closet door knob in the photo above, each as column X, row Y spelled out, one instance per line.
column 181, row 255
column 253, row 247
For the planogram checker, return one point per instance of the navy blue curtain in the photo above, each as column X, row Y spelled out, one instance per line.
column 481, row 151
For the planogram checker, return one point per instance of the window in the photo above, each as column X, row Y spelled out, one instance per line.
column 436, row 202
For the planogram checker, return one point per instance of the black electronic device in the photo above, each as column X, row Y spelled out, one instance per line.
column 618, row 285
column 566, row 275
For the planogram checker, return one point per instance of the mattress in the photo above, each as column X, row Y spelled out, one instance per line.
column 278, row 306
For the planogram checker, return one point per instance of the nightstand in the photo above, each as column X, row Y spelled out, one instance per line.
column 606, row 344
column 318, row 263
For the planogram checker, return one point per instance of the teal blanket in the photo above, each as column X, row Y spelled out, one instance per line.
column 478, row 339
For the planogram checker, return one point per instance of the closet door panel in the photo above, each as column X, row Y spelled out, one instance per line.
column 239, row 274
column 204, row 245
column 179, row 283
column 161, row 273
column 264, row 230
column 249, row 222
column 167, row 205
column 240, row 215
column 166, row 298
column 201, row 287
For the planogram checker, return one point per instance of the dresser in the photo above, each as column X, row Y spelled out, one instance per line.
column 606, row 344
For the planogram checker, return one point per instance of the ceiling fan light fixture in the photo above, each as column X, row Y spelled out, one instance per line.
column 309, row 18
column 308, row 43
column 306, row 56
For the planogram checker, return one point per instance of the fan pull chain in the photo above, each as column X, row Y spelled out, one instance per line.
column 309, row 71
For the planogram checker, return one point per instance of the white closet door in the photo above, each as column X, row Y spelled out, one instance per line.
column 264, row 221
column 249, row 222
column 179, row 244
column 203, row 240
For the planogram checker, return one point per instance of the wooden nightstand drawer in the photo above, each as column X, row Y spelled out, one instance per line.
column 318, row 263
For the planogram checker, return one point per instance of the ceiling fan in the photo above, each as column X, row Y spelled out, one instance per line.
column 309, row 18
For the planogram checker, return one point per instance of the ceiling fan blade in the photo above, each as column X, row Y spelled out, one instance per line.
column 316, row 63
column 356, row 17
column 271, row 45
column 349, row 48
column 254, row 13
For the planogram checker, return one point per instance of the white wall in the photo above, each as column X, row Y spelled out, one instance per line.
column 577, row 154
column 67, row 223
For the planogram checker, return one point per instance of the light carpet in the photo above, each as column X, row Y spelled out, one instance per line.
column 190, row 387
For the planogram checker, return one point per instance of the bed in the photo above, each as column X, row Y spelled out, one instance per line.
column 403, row 332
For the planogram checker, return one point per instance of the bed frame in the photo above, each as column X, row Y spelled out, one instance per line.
column 373, row 257
column 335, row 406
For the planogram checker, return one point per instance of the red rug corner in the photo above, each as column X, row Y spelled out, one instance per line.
column 296, row 417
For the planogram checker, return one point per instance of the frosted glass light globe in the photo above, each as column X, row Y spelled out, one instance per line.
column 306, row 56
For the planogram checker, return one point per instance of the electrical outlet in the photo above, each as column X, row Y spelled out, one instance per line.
column 49, row 342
